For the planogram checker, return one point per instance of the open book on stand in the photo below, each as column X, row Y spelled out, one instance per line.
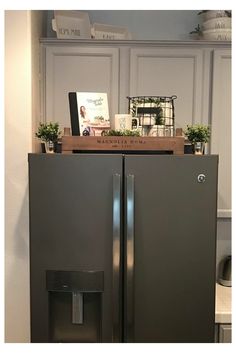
column 89, row 113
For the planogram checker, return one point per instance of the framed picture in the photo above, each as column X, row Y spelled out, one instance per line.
column 89, row 113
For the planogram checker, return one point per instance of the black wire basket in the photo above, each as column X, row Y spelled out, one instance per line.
column 155, row 114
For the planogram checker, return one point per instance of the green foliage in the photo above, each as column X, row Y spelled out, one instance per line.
column 121, row 133
column 159, row 119
column 154, row 100
column 198, row 133
column 141, row 102
column 197, row 30
column 48, row 132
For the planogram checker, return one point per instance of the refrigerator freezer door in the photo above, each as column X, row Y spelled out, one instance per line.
column 171, row 292
column 75, row 209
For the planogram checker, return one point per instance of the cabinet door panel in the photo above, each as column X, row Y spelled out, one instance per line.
column 78, row 69
column 167, row 72
column 221, row 127
column 225, row 334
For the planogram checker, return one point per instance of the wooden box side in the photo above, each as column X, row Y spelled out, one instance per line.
column 122, row 143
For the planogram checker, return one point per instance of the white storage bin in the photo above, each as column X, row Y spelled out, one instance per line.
column 71, row 25
column 103, row 31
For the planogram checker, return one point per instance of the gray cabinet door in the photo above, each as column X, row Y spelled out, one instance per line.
column 73, row 68
column 225, row 333
column 170, row 262
column 172, row 71
column 74, row 205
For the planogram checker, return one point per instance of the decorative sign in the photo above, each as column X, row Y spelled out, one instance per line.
column 123, row 143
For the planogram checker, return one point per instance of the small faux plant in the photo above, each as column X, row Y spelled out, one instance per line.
column 197, row 30
column 198, row 133
column 48, row 132
column 159, row 119
column 121, row 133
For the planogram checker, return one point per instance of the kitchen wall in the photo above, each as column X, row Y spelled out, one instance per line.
column 148, row 24
column 22, row 31
column 38, row 30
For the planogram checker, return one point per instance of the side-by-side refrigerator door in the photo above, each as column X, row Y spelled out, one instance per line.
column 170, row 236
column 75, row 209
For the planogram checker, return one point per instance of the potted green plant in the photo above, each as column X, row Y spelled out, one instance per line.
column 49, row 134
column 198, row 135
column 196, row 33
column 160, row 124
column 133, row 133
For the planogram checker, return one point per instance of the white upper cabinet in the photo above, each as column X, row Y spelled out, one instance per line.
column 70, row 68
column 221, row 126
column 172, row 71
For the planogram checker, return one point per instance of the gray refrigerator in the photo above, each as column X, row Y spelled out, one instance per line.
column 122, row 247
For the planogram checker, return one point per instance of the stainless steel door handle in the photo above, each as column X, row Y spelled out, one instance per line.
column 116, row 256
column 130, row 256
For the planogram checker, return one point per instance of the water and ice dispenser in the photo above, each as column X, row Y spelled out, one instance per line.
column 75, row 300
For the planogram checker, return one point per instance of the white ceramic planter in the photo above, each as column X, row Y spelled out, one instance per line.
column 217, row 23
column 217, row 34
column 213, row 14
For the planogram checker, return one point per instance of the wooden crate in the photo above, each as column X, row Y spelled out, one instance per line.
column 122, row 143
